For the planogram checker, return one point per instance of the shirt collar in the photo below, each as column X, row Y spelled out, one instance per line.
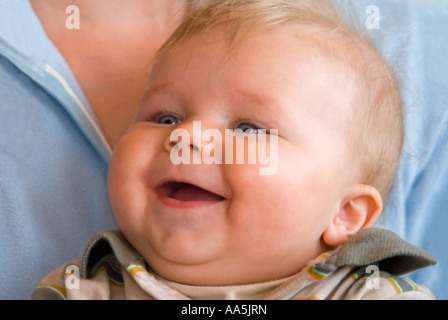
column 382, row 247
column 24, row 43
column 21, row 30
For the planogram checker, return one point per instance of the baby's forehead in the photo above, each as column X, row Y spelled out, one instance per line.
column 327, row 43
column 318, row 52
column 287, row 56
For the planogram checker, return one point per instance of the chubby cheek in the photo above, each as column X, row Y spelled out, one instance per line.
column 127, row 176
column 262, row 204
column 269, row 226
column 283, row 210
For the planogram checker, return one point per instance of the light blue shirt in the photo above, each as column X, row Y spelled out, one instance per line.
column 413, row 38
column 54, row 158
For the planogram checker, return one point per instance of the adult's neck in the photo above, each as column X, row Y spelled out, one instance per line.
column 111, row 52
column 116, row 14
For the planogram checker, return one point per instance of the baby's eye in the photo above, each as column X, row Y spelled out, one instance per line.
column 249, row 128
column 168, row 120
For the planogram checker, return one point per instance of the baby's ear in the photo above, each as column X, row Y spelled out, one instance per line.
column 360, row 209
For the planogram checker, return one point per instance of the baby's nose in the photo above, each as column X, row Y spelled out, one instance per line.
column 185, row 136
column 169, row 145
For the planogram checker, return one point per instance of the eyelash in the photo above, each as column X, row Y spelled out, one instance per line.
column 257, row 127
column 156, row 116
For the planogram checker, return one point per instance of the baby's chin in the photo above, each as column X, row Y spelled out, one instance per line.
column 180, row 259
column 200, row 270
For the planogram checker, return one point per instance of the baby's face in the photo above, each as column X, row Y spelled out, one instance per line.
column 226, row 224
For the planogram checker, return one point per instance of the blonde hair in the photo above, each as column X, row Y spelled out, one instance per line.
column 379, row 135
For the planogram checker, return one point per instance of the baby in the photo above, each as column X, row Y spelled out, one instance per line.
column 293, row 75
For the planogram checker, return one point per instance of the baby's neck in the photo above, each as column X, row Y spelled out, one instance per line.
column 242, row 292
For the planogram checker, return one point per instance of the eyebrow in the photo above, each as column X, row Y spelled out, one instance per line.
column 258, row 99
column 261, row 100
column 246, row 94
column 164, row 86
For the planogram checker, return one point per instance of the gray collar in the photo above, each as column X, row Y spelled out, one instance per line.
column 368, row 247
column 384, row 248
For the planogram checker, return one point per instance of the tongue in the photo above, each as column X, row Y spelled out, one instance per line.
column 189, row 192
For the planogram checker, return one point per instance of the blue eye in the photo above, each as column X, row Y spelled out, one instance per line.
column 248, row 128
column 169, row 120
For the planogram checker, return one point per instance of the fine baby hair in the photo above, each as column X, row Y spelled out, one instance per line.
column 378, row 130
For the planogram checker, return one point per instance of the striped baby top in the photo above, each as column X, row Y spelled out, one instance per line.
column 369, row 266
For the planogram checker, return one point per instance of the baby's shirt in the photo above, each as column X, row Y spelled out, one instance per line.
column 369, row 266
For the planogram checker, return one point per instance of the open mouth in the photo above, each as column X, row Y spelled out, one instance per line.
column 186, row 192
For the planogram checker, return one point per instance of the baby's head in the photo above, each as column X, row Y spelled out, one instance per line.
column 287, row 65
